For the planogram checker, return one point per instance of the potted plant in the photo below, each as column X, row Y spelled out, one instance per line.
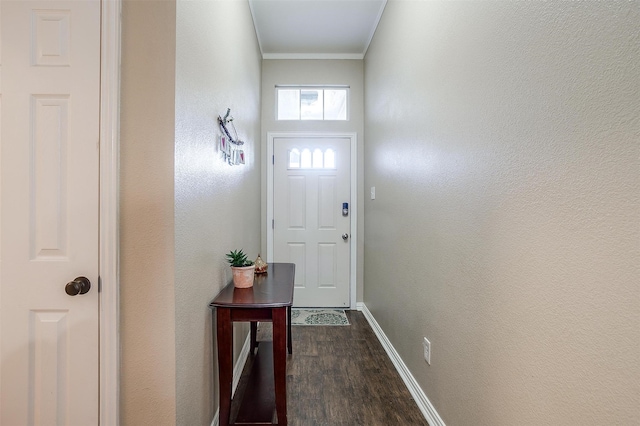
column 241, row 268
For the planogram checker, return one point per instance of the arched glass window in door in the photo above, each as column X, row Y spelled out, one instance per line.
column 329, row 159
column 294, row 159
column 317, row 159
column 306, row 159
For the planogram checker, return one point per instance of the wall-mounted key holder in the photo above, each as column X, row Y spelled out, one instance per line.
column 229, row 142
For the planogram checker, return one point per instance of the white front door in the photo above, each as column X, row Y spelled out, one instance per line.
column 49, row 171
column 311, row 183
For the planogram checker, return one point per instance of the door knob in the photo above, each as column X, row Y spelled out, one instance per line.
column 345, row 236
column 80, row 285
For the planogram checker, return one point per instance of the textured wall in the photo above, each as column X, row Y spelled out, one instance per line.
column 310, row 72
column 503, row 139
column 147, row 327
column 182, row 208
column 217, row 205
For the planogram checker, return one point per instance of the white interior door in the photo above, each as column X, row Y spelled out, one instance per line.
column 49, row 153
column 311, row 183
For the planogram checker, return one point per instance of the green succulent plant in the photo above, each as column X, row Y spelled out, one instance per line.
column 238, row 258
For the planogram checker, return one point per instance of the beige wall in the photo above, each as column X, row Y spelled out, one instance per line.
column 217, row 205
column 182, row 208
column 147, row 265
column 316, row 72
column 503, row 141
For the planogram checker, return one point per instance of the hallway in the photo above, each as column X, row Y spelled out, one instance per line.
column 341, row 376
column 497, row 162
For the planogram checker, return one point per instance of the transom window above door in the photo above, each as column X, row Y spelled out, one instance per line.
column 312, row 103
column 308, row 159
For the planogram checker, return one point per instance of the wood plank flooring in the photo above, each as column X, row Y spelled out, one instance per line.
column 341, row 376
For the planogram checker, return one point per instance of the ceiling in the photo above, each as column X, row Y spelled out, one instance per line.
column 315, row 29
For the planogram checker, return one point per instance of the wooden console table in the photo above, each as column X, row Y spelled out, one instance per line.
column 269, row 299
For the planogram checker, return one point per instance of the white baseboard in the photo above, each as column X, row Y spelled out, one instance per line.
column 237, row 373
column 428, row 410
column 242, row 360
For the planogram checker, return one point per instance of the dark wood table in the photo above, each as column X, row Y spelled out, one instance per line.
column 269, row 299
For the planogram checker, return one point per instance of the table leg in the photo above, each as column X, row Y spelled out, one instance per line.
column 225, row 362
column 279, row 316
column 289, row 342
column 254, row 337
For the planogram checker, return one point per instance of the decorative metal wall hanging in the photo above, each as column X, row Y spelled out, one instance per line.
column 229, row 142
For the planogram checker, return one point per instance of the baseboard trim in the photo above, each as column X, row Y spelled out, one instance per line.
column 237, row 373
column 428, row 410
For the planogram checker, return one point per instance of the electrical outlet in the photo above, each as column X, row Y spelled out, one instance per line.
column 427, row 350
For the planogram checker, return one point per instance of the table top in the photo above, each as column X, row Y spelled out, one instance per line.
column 271, row 290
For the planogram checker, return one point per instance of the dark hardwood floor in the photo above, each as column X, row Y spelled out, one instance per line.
column 341, row 376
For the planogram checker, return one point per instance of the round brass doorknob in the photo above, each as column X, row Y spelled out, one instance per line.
column 80, row 285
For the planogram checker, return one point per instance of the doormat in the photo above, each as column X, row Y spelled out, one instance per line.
column 305, row 317
column 318, row 317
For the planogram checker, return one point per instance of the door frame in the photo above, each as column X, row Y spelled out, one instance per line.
column 353, row 188
column 108, row 286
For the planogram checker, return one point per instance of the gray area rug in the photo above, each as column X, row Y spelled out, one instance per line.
column 306, row 317
column 318, row 317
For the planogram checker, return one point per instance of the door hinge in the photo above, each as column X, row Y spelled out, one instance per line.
column 99, row 284
column 273, row 159
column 273, row 224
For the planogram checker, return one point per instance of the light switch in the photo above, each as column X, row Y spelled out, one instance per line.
column 373, row 192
